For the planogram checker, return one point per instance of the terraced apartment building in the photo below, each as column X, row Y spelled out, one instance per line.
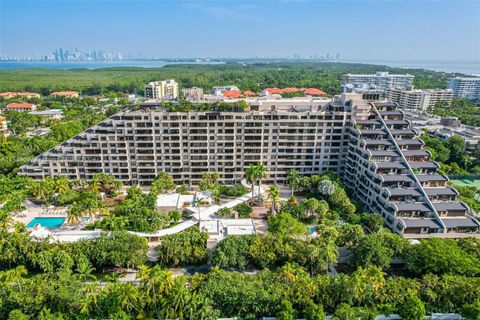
column 370, row 145
column 394, row 176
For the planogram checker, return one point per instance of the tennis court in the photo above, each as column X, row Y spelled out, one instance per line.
column 464, row 182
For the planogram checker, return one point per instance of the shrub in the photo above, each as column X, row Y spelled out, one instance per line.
column 244, row 210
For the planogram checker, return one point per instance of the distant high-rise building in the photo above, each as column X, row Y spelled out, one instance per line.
column 379, row 81
column 467, row 88
column 166, row 89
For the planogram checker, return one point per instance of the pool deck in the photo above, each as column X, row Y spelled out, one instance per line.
column 36, row 211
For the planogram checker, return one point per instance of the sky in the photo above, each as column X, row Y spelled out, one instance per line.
column 361, row 29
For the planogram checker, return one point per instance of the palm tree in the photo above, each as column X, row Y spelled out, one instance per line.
column 88, row 203
column 14, row 276
column 274, row 194
column 155, row 281
column 329, row 250
column 312, row 205
column 262, row 172
column 254, row 174
column 74, row 214
column 208, row 179
column 41, row 190
column 127, row 296
column 293, row 179
column 250, row 176
column 84, row 270
column 6, row 221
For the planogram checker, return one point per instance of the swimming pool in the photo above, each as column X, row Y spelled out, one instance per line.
column 49, row 222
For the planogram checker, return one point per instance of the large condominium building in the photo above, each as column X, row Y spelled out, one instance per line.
column 381, row 81
column 467, row 88
column 419, row 99
column 375, row 151
column 160, row 90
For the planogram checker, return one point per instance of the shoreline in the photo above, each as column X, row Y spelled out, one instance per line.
column 463, row 67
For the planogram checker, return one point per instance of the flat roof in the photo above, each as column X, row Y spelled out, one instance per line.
column 390, row 165
column 167, row 200
column 404, row 131
column 414, row 142
column 431, row 177
column 383, row 153
column 396, row 121
column 372, row 121
column 449, row 206
column 421, row 223
column 423, row 164
column 381, row 142
column 373, row 131
column 408, row 153
column 396, row 177
column 413, row 206
column 48, row 112
column 240, row 230
column 460, row 222
column 404, row 192
column 440, row 191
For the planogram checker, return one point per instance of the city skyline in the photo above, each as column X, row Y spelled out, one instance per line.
column 250, row 29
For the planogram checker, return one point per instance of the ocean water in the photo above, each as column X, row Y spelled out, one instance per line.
column 65, row 65
column 470, row 67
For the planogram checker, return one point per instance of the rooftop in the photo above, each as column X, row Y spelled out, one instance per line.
column 65, row 93
column 460, row 222
column 20, row 106
column 413, row 206
column 421, row 223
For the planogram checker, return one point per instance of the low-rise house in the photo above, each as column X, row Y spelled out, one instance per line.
column 68, row 94
column 10, row 95
column 173, row 201
column 54, row 114
column 39, row 132
column 21, row 107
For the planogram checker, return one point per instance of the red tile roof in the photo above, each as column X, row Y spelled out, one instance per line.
column 20, row 106
column 248, row 93
column 19, row 94
column 308, row 91
column 232, row 94
column 273, row 90
column 291, row 90
column 28, row 94
column 314, row 91
column 7, row 94
column 65, row 93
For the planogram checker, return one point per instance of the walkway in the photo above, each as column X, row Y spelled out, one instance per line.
column 207, row 213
